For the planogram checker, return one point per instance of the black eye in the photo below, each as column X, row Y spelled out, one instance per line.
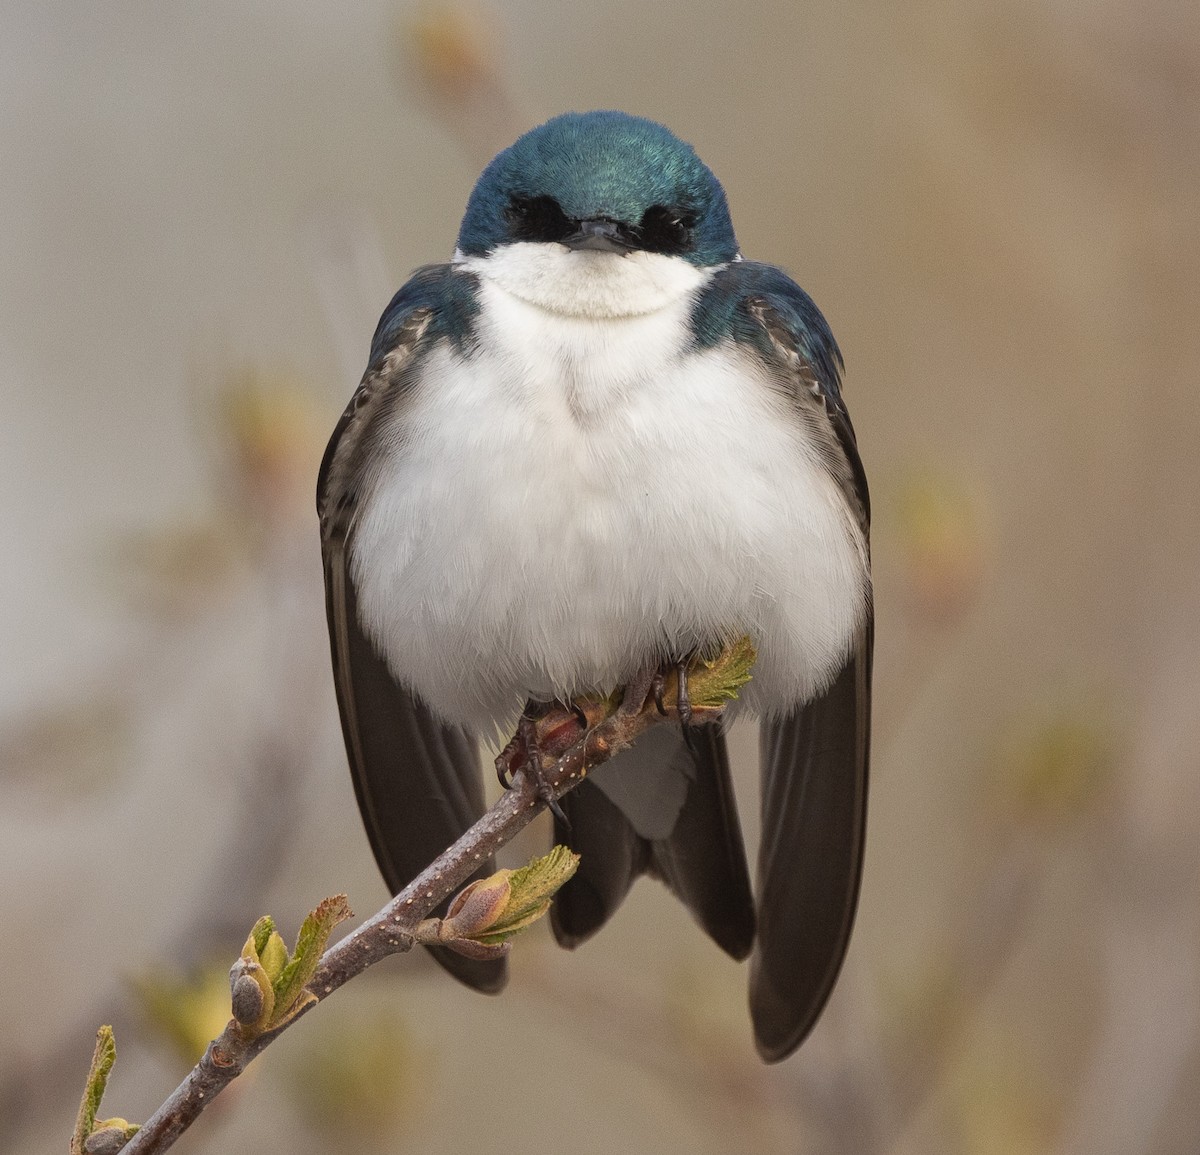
column 538, row 219
column 666, row 230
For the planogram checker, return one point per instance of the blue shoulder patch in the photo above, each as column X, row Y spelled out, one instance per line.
column 449, row 292
column 722, row 311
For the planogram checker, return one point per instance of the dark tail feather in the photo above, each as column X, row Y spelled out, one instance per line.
column 611, row 856
column 704, row 861
column 665, row 807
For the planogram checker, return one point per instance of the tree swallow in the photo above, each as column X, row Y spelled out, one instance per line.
column 595, row 440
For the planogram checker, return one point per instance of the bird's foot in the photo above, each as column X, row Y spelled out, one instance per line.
column 658, row 687
column 534, row 766
column 545, row 730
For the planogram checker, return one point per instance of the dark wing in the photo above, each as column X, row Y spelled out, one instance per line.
column 666, row 808
column 814, row 807
column 814, row 761
column 417, row 780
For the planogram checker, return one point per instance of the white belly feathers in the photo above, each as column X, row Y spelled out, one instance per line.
column 585, row 493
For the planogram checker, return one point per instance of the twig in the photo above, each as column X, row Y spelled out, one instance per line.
column 397, row 927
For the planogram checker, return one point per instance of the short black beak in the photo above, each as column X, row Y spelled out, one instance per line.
column 599, row 235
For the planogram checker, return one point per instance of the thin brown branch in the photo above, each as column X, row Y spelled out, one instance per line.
column 393, row 930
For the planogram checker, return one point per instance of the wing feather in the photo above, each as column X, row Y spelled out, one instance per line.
column 815, row 760
column 417, row 780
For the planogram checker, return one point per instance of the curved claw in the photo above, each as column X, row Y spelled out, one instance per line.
column 657, row 688
column 658, row 685
column 523, row 755
column 554, row 808
column 521, row 749
column 683, row 702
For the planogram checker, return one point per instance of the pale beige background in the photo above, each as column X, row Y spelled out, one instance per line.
column 203, row 208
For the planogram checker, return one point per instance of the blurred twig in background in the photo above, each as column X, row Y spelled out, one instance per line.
column 193, row 586
column 450, row 57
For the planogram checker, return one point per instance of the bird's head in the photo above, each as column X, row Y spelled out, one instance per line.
column 598, row 199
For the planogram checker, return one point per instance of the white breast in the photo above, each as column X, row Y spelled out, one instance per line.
column 585, row 493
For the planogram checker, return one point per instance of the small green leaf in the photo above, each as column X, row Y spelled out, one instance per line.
column 310, row 945
column 103, row 1058
column 713, row 682
column 250, row 966
column 274, row 956
column 262, row 930
column 531, row 889
column 487, row 913
column 541, row 878
column 509, row 927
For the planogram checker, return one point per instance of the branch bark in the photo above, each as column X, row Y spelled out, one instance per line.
column 394, row 929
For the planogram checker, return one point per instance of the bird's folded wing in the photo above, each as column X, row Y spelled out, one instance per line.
column 417, row 781
column 814, row 808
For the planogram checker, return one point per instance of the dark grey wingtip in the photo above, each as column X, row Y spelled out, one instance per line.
column 778, row 1030
column 775, row 1051
column 611, row 857
column 587, row 913
column 735, row 939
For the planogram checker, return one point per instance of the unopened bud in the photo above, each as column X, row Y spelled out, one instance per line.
column 246, row 999
column 109, row 1137
column 478, row 906
column 483, row 951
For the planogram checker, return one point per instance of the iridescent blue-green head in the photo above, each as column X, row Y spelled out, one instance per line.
column 601, row 181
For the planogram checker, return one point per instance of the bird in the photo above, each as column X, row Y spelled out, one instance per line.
column 595, row 440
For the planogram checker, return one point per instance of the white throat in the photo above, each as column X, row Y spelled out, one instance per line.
column 597, row 285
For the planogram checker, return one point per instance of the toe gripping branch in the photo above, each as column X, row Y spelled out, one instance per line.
column 659, row 686
column 547, row 730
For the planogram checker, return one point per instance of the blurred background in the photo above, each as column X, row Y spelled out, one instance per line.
column 203, row 210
